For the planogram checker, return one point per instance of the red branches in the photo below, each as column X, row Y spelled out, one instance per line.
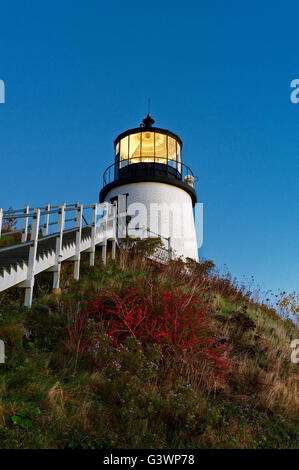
column 167, row 316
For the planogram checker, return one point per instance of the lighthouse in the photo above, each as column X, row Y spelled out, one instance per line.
column 153, row 187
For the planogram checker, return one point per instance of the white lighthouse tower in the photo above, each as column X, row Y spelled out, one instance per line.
column 157, row 189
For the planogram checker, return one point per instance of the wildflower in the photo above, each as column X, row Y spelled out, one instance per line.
column 27, row 333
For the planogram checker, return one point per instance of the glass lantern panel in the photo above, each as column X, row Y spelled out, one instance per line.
column 148, row 147
column 135, row 148
column 179, row 167
column 124, row 151
column 160, row 148
column 172, row 152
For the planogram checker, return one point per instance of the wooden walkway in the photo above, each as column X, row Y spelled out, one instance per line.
column 45, row 252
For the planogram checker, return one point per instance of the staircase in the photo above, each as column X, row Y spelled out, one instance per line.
column 19, row 264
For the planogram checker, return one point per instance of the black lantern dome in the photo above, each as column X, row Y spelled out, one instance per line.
column 148, row 153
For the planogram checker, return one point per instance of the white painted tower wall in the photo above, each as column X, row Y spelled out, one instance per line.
column 165, row 210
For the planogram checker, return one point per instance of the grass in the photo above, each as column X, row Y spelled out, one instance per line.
column 131, row 394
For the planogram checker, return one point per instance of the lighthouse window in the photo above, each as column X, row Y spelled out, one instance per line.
column 124, row 151
column 161, row 149
column 179, row 167
column 148, row 146
column 135, row 148
column 171, row 152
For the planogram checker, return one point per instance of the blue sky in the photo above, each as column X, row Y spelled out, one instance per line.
column 218, row 74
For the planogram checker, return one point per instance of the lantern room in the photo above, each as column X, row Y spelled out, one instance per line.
column 148, row 145
column 148, row 153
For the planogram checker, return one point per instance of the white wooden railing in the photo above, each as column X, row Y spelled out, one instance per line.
column 101, row 231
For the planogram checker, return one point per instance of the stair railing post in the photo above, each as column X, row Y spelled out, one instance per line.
column 46, row 220
column 29, row 283
column 78, row 225
column 58, row 247
column 105, row 225
column 93, row 234
column 107, row 207
column 114, row 206
column 25, row 225
column 1, row 218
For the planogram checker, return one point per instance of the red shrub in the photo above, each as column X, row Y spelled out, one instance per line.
column 167, row 316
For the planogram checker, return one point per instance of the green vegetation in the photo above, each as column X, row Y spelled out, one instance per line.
column 82, row 375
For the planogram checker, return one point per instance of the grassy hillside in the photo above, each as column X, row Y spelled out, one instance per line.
column 137, row 355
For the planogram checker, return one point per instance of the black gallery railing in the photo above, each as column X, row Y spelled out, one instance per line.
column 157, row 166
